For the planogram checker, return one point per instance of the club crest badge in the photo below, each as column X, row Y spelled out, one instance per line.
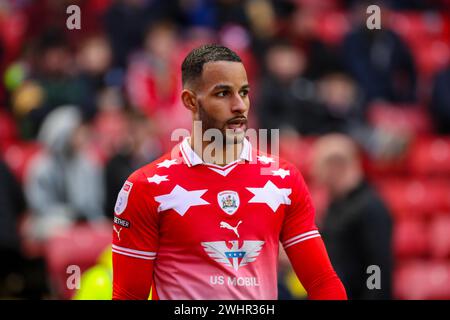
column 122, row 198
column 228, row 201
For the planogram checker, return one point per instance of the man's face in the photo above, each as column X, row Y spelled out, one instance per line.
column 222, row 98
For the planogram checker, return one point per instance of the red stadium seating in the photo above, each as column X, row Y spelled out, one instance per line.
column 422, row 280
column 414, row 197
column 409, row 119
column 410, row 238
column 298, row 151
column 439, row 236
column 8, row 131
column 332, row 26
column 80, row 246
column 19, row 155
column 430, row 156
column 427, row 35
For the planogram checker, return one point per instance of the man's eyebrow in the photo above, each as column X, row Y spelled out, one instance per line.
column 228, row 87
column 221, row 87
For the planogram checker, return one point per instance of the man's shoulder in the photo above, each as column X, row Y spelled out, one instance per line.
column 271, row 159
column 152, row 169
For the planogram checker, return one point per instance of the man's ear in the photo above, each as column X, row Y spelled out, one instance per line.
column 189, row 100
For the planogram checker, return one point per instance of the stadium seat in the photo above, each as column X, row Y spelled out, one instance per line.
column 410, row 238
column 422, row 280
column 8, row 131
column 79, row 245
column 430, row 156
column 439, row 236
column 18, row 156
column 332, row 26
column 298, row 151
column 415, row 197
column 409, row 119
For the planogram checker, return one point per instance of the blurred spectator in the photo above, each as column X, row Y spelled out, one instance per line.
column 287, row 99
column 139, row 148
column 440, row 102
column 12, row 206
column 322, row 59
column 94, row 60
column 153, row 79
column 64, row 185
column 126, row 22
column 19, row 275
column 379, row 59
column 53, row 83
column 357, row 227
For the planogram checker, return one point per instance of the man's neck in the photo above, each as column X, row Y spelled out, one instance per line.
column 216, row 153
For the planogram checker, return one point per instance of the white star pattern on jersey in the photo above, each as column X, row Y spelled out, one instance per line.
column 265, row 159
column 180, row 200
column 157, row 179
column 271, row 195
column 281, row 172
column 167, row 163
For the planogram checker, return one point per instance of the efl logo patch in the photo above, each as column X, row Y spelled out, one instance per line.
column 228, row 201
column 122, row 198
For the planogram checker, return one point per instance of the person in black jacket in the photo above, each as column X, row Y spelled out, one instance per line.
column 357, row 226
column 20, row 276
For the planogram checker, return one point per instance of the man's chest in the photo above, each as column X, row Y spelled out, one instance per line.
column 196, row 208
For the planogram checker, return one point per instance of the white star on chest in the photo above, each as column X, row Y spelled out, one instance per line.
column 180, row 200
column 271, row 195
column 167, row 163
column 157, row 179
column 265, row 159
column 281, row 172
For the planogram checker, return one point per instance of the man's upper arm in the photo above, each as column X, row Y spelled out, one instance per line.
column 135, row 239
column 299, row 221
column 305, row 248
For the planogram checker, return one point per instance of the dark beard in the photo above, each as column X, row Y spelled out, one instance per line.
column 209, row 122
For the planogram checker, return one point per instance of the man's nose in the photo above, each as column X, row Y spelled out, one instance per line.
column 238, row 104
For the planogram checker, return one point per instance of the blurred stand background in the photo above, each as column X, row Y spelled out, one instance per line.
column 365, row 115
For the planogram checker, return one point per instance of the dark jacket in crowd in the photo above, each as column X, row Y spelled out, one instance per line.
column 440, row 103
column 357, row 232
column 12, row 205
column 381, row 63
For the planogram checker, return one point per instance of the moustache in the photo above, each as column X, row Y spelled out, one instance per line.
column 238, row 120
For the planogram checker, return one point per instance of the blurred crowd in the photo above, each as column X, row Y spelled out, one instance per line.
column 363, row 113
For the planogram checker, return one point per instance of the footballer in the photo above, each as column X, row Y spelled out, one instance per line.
column 208, row 225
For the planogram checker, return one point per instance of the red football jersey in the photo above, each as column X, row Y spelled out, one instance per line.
column 213, row 232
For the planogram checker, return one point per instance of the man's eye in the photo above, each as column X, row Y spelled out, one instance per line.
column 221, row 94
column 244, row 93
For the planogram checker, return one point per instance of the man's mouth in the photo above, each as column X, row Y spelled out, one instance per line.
column 237, row 125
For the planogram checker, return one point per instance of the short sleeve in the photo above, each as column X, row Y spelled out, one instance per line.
column 299, row 220
column 135, row 228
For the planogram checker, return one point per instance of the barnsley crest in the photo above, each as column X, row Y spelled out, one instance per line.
column 235, row 257
column 228, row 201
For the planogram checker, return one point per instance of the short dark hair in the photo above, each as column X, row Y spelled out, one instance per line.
column 192, row 65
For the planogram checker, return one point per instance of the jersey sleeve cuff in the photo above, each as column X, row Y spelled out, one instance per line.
column 301, row 237
column 146, row 255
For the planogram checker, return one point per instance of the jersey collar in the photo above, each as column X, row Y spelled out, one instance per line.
column 192, row 159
